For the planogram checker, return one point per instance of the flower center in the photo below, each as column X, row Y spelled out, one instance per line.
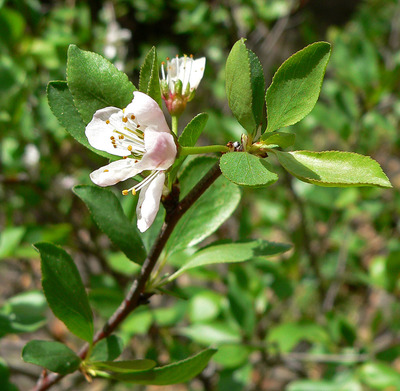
column 128, row 135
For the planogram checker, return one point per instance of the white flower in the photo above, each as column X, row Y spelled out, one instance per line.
column 179, row 81
column 140, row 134
column 188, row 71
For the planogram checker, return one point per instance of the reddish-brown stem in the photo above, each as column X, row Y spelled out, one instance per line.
column 136, row 295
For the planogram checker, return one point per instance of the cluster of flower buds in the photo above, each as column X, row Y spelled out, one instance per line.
column 180, row 78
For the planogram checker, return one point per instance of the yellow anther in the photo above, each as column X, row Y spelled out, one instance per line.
column 105, row 171
column 121, row 136
column 114, row 146
column 124, row 157
column 112, row 138
column 125, row 192
column 108, row 121
column 167, row 58
column 138, row 126
column 130, row 148
column 124, row 119
column 133, row 192
column 132, row 116
column 191, row 56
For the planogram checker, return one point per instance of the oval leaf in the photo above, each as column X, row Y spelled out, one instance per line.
column 193, row 130
column 245, row 86
column 51, row 355
column 62, row 105
column 179, row 372
column 296, row 86
column 124, row 366
column 248, row 170
column 149, row 82
column 277, row 139
column 107, row 212
column 212, row 209
column 333, row 168
column 64, row 290
column 95, row 83
column 107, row 349
column 231, row 253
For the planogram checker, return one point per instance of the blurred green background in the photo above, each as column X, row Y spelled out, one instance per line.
column 323, row 317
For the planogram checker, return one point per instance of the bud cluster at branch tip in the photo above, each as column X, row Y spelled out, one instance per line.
column 179, row 79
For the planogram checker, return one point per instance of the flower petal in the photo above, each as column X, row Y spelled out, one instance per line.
column 117, row 171
column 197, row 72
column 147, row 112
column 149, row 202
column 160, row 150
column 98, row 132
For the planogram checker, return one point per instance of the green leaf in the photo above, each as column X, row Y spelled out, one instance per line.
column 324, row 385
column 333, row 168
column 124, row 366
column 193, row 130
column 10, row 239
column 149, row 81
column 296, row 86
column 23, row 313
column 107, row 349
column 178, row 372
column 211, row 210
column 62, row 105
column 245, row 86
column 231, row 253
column 287, row 335
column 51, row 355
column 107, row 212
column 64, row 290
column 380, row 376
column 188, row 138
column 247, row 170
column 95, row 83
column 211, row 333
column 278, row 139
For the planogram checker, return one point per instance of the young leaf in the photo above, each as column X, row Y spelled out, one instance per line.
column 296, row 86
column 95, row 83
column 248, row 170
column 279, row 139
column 179, row 372
column 245, row 86
column 107, row 349
column 64, row 290
column 62, row 105
column 231, row 253
column 188, row 138
column 124, row 366
column 149, row 81
column 107, row 212
column 212, row 209
column 51, row 355
column 333, row 168
column 193, row 130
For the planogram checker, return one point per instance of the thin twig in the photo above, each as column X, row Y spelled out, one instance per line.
column 136, row 295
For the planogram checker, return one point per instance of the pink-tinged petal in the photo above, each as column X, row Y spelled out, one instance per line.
column 98, row 132
column 147, row 112
column 197, row 72
column 149, row 202
column 160, row 150
column 117, row 171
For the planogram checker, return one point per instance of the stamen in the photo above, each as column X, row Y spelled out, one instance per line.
column 125, row 192
column 124, row 119
column 106, row 170
column 130, row 148
column 132, row 117
column 121, row 137
column 133, row 192
column 108, row 121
